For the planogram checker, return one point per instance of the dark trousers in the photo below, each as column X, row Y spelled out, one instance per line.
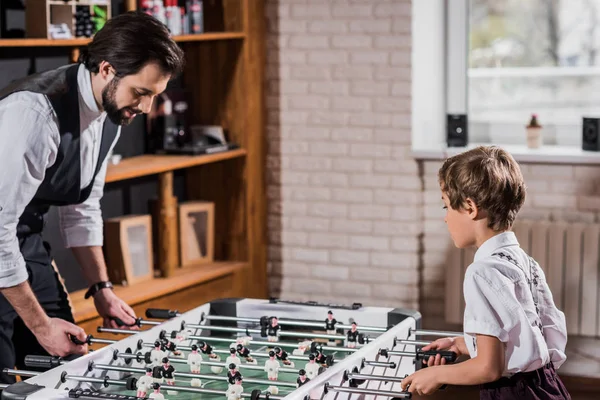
column 542, row 384
column 16, row 340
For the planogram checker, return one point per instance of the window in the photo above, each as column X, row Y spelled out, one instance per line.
column 502, row 61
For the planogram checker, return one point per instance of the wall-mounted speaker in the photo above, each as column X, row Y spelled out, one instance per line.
column 456, row 130
column 591, row 134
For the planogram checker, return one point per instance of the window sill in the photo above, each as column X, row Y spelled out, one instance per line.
column 544, row 155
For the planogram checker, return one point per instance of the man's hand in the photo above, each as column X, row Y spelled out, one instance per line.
column 110, row 306
column 53, row 336
column 450, row 344
column 422, row 382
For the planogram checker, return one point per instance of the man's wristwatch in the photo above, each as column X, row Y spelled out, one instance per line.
column 95, row 288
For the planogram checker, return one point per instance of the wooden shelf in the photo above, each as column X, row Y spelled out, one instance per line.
column 138, row 293
column 84, row 41
column 149, row 164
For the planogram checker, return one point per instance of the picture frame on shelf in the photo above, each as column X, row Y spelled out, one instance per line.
column 196, row 232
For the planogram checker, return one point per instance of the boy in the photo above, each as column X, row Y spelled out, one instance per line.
column 513, row 332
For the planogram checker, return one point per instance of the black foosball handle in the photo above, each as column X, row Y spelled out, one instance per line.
column 449, row 356
column 43, row 362
column 161, row 313
column 88, row 340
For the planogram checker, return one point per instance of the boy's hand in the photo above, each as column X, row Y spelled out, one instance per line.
column 422, row 382
column 441, row 344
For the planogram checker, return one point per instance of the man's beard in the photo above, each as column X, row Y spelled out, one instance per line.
column 109, row 103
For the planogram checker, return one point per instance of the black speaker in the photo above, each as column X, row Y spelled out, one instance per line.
column 591, row 132
column 456, row 130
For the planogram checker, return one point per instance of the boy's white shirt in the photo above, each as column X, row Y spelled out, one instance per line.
column 498, row 302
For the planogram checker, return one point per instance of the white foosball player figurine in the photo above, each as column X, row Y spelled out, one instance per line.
column 157, row 395
column 156, row 355
column 272, row 366
column 144, row 383
column 302, row 378
column 194, row 360
column 243, row 351
column 351, row 336
column 234, row 392
column 273, row 330
column 302, row 347
column 330, row 326
column 311, row 367
column 233, row 358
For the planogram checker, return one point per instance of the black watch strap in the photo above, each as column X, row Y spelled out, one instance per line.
column 96, row 287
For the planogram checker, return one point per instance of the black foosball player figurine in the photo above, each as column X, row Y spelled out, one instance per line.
column 311, row 367
column 232, row 373
column 352, row 336
column 330, row 326
column 170, row 346
column 320, row 358
column 244, row 352
column 157, row 395
column 206, row 349
column 144, row 383
column 234, row 392
column 273, row 330
column 166, row 371
column 282, row 356
column 302, row 378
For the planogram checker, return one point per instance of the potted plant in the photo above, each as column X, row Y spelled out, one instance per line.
column 534, row 133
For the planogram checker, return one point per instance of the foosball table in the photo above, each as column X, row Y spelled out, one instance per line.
column 241, row 348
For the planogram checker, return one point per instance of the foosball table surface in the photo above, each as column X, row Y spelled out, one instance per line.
column 227, row 322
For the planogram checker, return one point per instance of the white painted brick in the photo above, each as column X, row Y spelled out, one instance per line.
column 302, row 163
column 352, row 134
column 392, row 104
column 304, row 286
column 401, row 58
column 401, row 121
column 393, row 42
column 404, row 213
column 537, row 186
column 389, row 196
column 395, row 260
column 369, row 243
column 293, row 269
column 310, row 193
column 330, row 273
column 288, row 87
column 370, row 211
column 274, row 208
column 369, row 57
column 371, row 26
column 434, row 274
column 434, row 290
column 529, row 212
column 366, row 119
column 355, row 289
column 276, row 10
column 320, row 57
column 289, row 117
column 275, row 253
column 294, row 238
column 402, row 89
column 311, row 72
column 328, row 240
column 587, row 172
column 311, row 11
column 370, row 181
column 305, row 133
column 294, row 178
column 372, row 275
column 310, row 255
column 551, row 171
column 352, row 226
column 352, row 165
column 290, row 147
column 309, row 224
column 406, row 244
column 348, row 11
column 352, row 195
column 434, row 226
column 401, row 25
column 275, row 238
column 405, row 276
column 572, row 216
column 291, row 208
column 353, row 103
column 370, row 88
column 393, row 9
column 329, row 118
column 328, row 148
column 590, row 203
column 406, row 182
column 578, row 187
column 431, row 168
column 330, row 26
column 387, row 73
column 370, row 150
column 352, row 72
column 433, row 198
column 330, row 87
column 309, row 102
column 397, row 292
column 274, row 103
column 395, row 135
column 396, row 166
column 328, row 210
column 554, row 200
column 289, row 56
column 393, row 228
column 349, row 257
column 332, row 179
column 289, row 26
column 351, row 42
column 309, row 42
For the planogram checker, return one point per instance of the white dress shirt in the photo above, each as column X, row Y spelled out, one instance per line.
column 29, row 141
column 499, row 303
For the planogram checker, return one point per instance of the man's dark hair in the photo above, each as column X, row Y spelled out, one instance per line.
column 131, row 40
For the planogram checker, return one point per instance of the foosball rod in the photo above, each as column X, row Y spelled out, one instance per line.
column 372, row 392
column 157, row 313
column 355, row 375
column 19, row 372
column 117, row 368
column 424, row 332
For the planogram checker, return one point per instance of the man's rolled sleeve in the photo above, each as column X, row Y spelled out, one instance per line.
column 13, row 272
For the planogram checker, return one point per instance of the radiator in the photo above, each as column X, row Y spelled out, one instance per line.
column 568, row 255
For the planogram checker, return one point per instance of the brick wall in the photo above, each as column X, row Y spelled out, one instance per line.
column 345, row 197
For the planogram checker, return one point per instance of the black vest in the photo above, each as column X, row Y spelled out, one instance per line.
column 62, row 181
